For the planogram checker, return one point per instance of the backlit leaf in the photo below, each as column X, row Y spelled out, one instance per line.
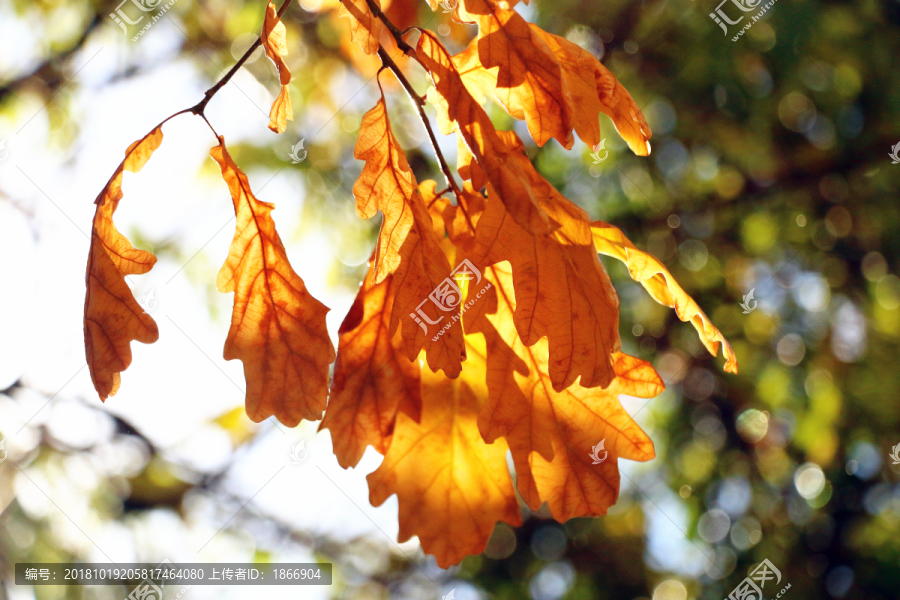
column 562, row 290
column 662, row 287
column 458, row 111
column 407, row 245
column 551, row 434
column 373, row 379
column 277, row 328
column 274, row 36
column 451, row 486
column 365, row 28
column 112, row 317
column 529, row 80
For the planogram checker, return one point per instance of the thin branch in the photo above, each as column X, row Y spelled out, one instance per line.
column 398, row 35
column 207, row 96
column 419, row 101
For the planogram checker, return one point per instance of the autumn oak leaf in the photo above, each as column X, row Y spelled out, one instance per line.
column 365, row 28
column 528, row 79
column 374, row 381
column 452, row 487
column 562, row 290
column 407, row 246
column 277, row 328
column 662, row 287
column 459, row 111
column 551, row 433
column 112, row 317
column 274, row 39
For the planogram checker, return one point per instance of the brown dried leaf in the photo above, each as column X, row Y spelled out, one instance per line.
column 112, row 317
column 277, row 328
column 407, row 245
column 562, row 289
column 373, row 379
column 551, row 434
column 274, row 38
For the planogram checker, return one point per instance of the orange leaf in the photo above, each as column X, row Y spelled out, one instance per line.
column 452, row 487
column 407, row 245
column 112, row 317
column 274, row 39
column 617, row 104
column 593, row 88
column 373, row 379
column 277, row 328
column 663, row 288
column 365, row 28
column 528, row 79
column 458, row 111
column 551, row 434
column 562, row 289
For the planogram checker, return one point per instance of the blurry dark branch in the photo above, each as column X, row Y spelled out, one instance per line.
column 49, row 70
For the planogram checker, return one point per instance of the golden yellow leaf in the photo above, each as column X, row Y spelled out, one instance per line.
column 407, row 245
column 274, row 38
column 112, row 317
column 528, row 80
column 593, row 89
column 617, row 104
column 662, row 287
column 552, row 434
column 562, row 289
column 365, row 28
column 452, row 487
column 373, row 379
column 277, row 328
column 458, row 111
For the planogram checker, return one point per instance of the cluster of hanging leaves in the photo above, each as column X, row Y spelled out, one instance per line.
column 484, row 326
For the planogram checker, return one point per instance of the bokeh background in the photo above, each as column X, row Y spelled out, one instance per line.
column 770, row 173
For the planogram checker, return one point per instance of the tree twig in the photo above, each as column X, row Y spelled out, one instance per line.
column 207, row 96
column 419, row 101
column 398, row 35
